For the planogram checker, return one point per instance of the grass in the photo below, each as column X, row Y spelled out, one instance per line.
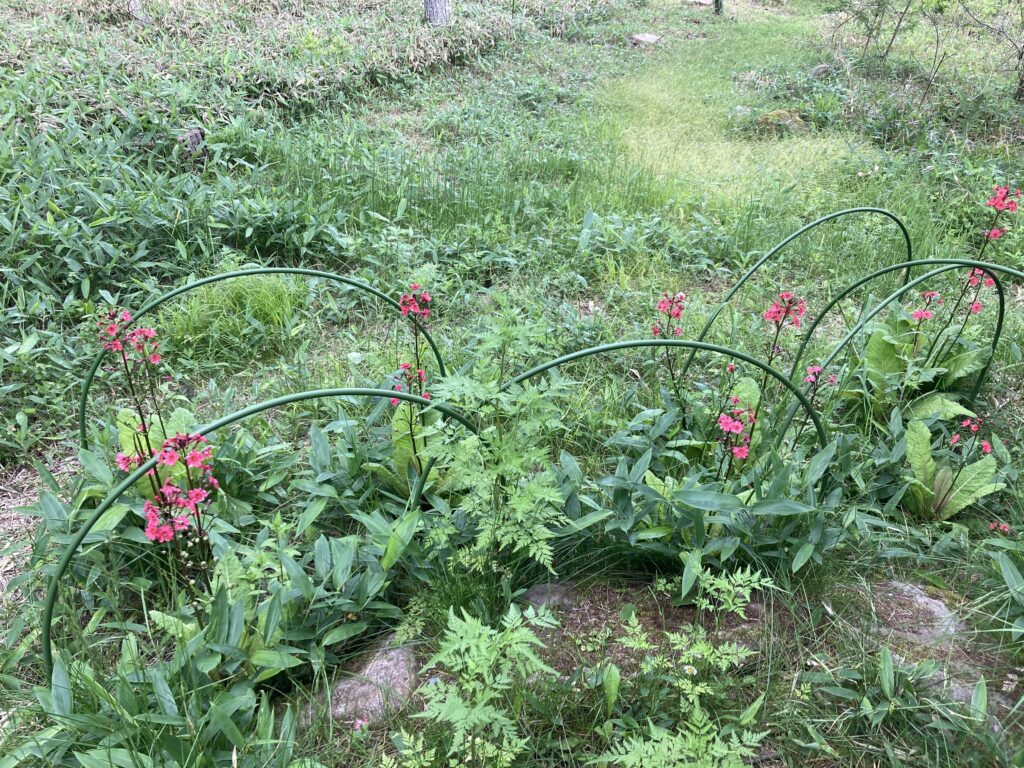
column 548, row 181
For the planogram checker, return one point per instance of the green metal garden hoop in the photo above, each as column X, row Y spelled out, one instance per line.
column 683, row 344
column 947, row 265
column 83, row 403
column 83, row 531
column 799, row 233
column 985, row 266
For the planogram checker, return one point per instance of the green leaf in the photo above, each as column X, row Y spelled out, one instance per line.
column 780, row 508
column 972, row 483
column 919, row 452
column 819, row 463
column 691, row 571
column 936, row 405
column 882, row 359
column 1014, row 581
column 344, row 632
column 803, row 555
column 106, row 757
column 612, row 679
column 963, row 365
column 164, row 697
column 886, row 675
column 172, row 625
column 60, row 690
column 95, row 467
column 709, row 501
column 747, row 718
column 274, row 659
column 979, row 700
column 400, row 537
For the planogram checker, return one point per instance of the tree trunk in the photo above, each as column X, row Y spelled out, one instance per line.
column 718, row 7
column 438, row 12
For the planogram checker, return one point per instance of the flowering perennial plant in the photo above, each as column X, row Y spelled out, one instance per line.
column 181, row 483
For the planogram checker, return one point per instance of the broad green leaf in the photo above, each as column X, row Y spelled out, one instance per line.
column 274, row 659
column 709, row 501
column 1014, row 581
column 344, row 632
column 963, row 365
column 971, row 484
column 936, row 405
column 400, row 537
column 612, row 679
column 747, row 718
column 172, row 625
column 106, row 757
column 979, row 700
column 95, row 467
column 60, row 689
column 780, row 508
column 803, row 555
column 882, row 359
column 886, row 676
column 819, row 463
column 918, row 498
column 691, row 571
column 919, row 452
column 164, row 697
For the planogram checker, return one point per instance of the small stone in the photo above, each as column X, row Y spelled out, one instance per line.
column 706, row 3
column 644, row 38
column 382, row 684
column 552, row 595
column 192, row 142
column 820, row 71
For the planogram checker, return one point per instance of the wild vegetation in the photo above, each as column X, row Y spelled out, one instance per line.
column 382, row 393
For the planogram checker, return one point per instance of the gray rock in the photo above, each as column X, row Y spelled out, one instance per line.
column 551, row 595
column 644, row 38
column 820, row 71
column 383, row 683
column 906, row 611
column 192, row 142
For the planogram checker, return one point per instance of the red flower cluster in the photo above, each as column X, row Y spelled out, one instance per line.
column 175, row 507
column 995, row 233
column 971, row 427
column 787, row 308
column 736, row 426
column 1002, row 200
column 931, row 298
column 672, row 308
column 1000, row 527
column 978, row 277
column 410, row 380
column 416, row 302
column 115, row 337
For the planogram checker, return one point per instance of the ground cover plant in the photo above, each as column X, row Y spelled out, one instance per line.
column 377, row 393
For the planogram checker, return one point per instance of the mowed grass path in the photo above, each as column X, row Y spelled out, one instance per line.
column 683, row 115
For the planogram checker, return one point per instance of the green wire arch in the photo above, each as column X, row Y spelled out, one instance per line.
column 948, row 264
column 781, row 245
column 944, row 265
column 72, row 548
column 83, row 402
column 695, row 346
